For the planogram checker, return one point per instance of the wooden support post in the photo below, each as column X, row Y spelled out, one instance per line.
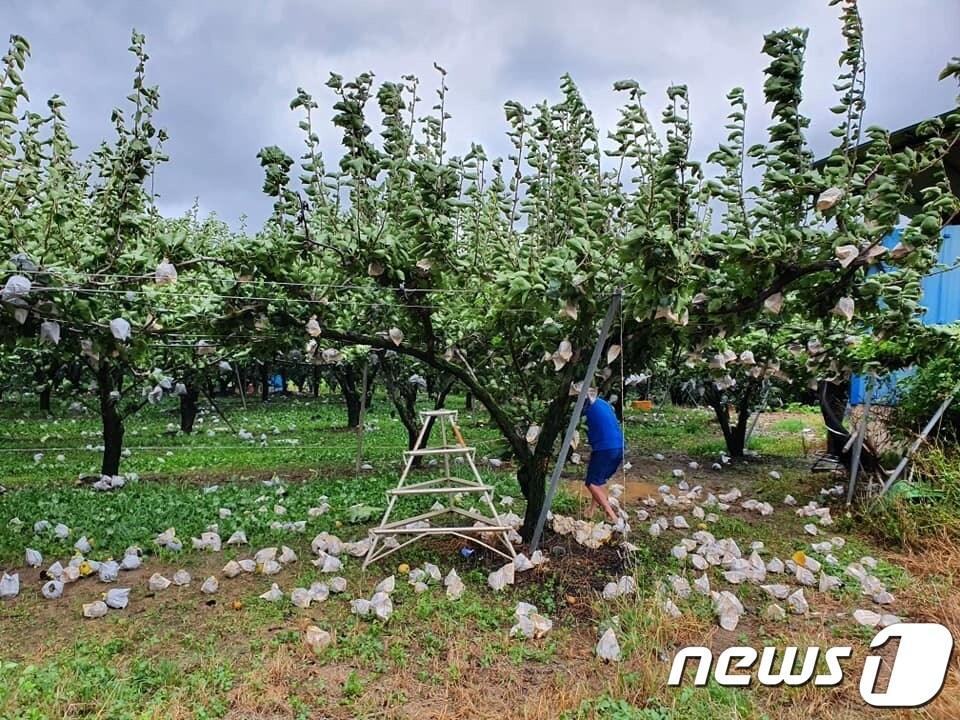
column 575, row 418
column 861, row 435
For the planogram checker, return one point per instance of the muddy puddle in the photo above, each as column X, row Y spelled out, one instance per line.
column 634, row 491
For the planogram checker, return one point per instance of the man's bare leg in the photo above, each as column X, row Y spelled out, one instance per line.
column 600, row 498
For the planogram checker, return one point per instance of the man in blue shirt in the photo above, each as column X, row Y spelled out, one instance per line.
column 606, row 450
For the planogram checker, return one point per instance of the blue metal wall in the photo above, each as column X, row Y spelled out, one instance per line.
column 941, row 298
column 941, row 292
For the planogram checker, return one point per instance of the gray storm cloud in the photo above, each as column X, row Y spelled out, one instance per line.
column 227, row 71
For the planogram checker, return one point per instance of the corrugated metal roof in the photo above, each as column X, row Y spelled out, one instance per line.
column 908, row 137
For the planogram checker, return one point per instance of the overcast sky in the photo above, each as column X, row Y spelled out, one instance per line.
column 227, row 70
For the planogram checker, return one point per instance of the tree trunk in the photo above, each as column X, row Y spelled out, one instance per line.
column 533, row 466
column 45, row 395
column 283, row 380
column 532, row 477
column 733, row 437
column 833, row 402
column 75, row 373
column 189, row 408
column 413, row 432
column 412, row 425
column 737, row 440
column 264, row 382
column 468, row 401
column 351, row 394
column 353, row 409
column 112, row 423
column 371, row 376
column 349, row 379
column 46, row 377
column 316, row 381
column 676, row 394
column 404, row 401
column 618, row 409
column 112, row 444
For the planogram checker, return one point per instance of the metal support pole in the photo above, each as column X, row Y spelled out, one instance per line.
column 861, row 435
column 243, row 395
column 923, row 436
column 756, row 416
column 363, row 414
column 219, row 411
column 575, row 418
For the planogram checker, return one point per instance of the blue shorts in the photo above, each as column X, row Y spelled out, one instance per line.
column 603, row 464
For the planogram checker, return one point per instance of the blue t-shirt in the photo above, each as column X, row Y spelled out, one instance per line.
column 603, row 428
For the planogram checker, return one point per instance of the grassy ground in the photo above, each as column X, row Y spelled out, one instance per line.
column 180, row 653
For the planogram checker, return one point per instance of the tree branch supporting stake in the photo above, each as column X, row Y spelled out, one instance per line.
column 756, row 416
column 243, row 395
column 219, row 411
column 363, row 413
column 575, row 418
column 861, row 436
column 923, row 436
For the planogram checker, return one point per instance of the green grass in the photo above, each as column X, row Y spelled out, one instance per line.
column 296, row 433
column 707, row 703
column 790, row 425
column 178, row 656
column 48, row 490
column 124, row 675
column 86, row 677
column 928, row 506
column 694, row 431
column 677, row 429
column 611, row 708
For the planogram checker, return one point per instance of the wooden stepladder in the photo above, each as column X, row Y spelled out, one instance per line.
column 446, row 488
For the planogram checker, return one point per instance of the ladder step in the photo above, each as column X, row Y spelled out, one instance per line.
column 438, row 413
column 440, row 530
column 454, row 450
column 416, row 518
column 430, row 514
column 477, row 516
column 446, row 479
column 430, row 490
